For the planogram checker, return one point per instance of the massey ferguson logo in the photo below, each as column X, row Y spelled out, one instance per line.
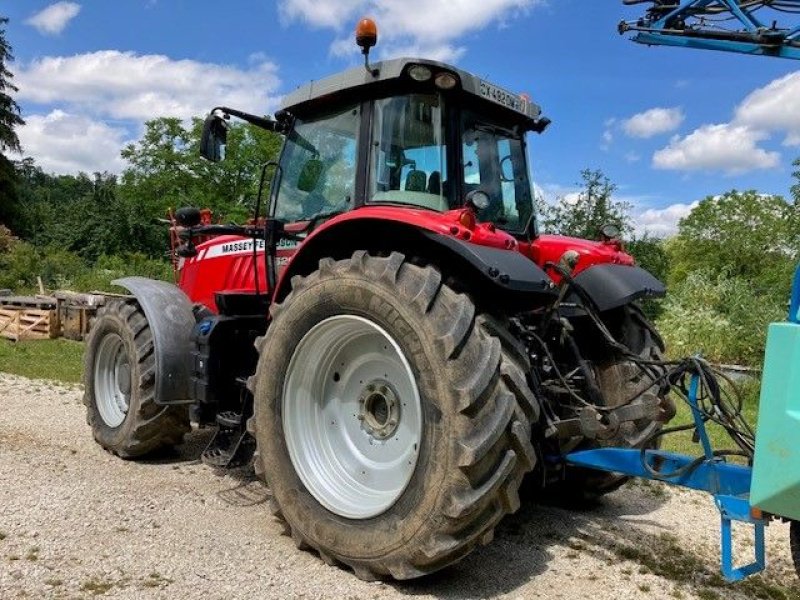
column 241, row 246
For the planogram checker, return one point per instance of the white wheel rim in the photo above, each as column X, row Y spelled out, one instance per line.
column 352, row 416
column 112, row 380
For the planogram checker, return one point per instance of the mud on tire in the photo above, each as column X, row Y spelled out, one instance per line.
column 476, row 413
column 119, row 382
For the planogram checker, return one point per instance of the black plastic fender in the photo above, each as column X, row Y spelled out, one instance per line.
column 507, row 269
column 169, row 314
column 611, row 286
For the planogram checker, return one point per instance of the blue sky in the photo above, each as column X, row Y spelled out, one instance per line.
column 668, row 126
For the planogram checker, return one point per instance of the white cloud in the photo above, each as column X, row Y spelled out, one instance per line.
column 415, row 27
column 774, row 107
column 661, row 222
column 67, row 143
column 632, row 157
column 653, row 122
column 125, row 85
column 54, row 19
column 321, row 13
column 726, row 147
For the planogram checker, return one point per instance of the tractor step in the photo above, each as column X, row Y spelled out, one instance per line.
column 229, row 419
column 229, row 448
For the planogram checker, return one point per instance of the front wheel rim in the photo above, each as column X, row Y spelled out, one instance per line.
column 352, row 416
column 112, row 380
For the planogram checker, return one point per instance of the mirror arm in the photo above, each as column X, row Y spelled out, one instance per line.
column 262, row 122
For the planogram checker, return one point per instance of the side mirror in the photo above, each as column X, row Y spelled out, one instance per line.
column 215, row 136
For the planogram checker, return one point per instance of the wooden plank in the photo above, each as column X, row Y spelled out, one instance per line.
column 27, row 302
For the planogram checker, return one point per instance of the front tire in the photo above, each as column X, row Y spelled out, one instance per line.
column 119, row 382
column 392, row 426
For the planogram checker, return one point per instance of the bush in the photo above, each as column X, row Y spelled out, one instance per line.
column 108, row 268
column 720, row 316
column 22, row 263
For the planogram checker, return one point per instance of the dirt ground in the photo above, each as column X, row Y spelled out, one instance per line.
column 76, row 522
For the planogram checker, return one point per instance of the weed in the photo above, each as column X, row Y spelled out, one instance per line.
column 96, row 587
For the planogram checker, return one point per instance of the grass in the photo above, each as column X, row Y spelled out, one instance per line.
column 60, row 360
column 96, row 587
column 682, row 442
column 670, row 560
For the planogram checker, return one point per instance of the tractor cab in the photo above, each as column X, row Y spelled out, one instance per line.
column 407, row 133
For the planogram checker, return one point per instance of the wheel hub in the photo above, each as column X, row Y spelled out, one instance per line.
column 379, row 411
column 112, row 380
column 347, row 386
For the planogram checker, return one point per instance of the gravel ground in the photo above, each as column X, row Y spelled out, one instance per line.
column 76, row 522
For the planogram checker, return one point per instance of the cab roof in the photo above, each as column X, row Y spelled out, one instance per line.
column 391, row 77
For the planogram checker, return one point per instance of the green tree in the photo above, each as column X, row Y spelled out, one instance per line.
column 747, row 235
column 9, row 110
column 583, row 215
column 731, row 268
column 10, row 119
column 167, row 172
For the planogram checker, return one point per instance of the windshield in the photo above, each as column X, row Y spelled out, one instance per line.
column 318, row 166
column 409, row 157
column 494, row 162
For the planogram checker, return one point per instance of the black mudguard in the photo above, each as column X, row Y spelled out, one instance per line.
column 611, row 286
column 507, row 269
column 169, row 314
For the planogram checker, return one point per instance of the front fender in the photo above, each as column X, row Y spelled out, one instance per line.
column 611, row 286
column 169, row 315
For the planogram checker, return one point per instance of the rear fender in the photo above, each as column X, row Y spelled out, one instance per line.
column 612, row 286
column 169, row 315
column 499, row 278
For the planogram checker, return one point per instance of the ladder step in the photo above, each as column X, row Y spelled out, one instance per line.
column 216, row 457
column 229, row 419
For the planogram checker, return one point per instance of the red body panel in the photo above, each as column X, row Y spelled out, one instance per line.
column 550, row 248
column 225, row 263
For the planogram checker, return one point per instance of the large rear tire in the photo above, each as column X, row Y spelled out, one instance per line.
column 119, row 382
column 794, row 540
column 619, row 379
column 393, row 427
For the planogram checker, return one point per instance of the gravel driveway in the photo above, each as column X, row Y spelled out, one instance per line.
column 76, row 522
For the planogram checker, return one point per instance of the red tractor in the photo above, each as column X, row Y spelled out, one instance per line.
column 392, row 343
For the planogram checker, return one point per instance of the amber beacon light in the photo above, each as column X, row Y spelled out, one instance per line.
column 366, row 34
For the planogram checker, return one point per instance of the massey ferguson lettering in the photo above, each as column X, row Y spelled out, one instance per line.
column 241, row 246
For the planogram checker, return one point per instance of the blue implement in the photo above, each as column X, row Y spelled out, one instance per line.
column 697, row 24
column 728, row 483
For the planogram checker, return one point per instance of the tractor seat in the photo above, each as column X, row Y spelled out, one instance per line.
column 416, row 181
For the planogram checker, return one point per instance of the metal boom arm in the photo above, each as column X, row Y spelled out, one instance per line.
column 725, row 25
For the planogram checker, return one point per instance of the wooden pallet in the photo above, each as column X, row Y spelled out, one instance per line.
column 40, row 302
column 22, row 323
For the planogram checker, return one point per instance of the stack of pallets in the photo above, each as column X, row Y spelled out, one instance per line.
column 28, row 318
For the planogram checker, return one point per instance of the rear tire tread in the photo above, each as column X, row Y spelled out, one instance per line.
column 494, row 425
